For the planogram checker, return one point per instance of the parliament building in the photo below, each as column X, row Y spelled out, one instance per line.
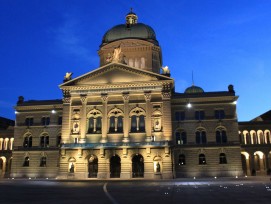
column 125, row 120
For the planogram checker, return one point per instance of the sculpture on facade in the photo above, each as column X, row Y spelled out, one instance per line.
column 68, row 76
column 117, row 56
column 165, row 70
column 158, row 167
column 72, row 168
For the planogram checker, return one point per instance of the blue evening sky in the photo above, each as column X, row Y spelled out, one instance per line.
column 223, row 41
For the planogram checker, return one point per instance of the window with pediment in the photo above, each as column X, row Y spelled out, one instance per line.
column 115, row 121
column 94, row 121
column 137, row 116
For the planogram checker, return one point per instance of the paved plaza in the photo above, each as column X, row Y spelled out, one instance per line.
column 211, row 190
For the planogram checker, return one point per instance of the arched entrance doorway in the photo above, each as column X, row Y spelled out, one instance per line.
column 2, row 166
column 115, row 167
column 244, row 164
column 92, row 167
column 138, row 166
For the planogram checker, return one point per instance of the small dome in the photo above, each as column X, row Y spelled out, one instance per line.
column 193, row 89
column 130, row 30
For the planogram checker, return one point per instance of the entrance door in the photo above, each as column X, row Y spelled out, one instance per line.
column 92, row 167
column 138, row 166
column 115, row 167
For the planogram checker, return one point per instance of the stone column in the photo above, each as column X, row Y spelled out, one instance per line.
column 126, row 118
column 148, row 124
column 83, row 117
column 66, row 129
column 167, row 128
column 104, row 98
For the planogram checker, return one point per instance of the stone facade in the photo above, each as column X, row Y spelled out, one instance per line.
column 125, row 120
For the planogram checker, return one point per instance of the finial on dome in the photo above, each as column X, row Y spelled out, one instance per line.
column 131, row 18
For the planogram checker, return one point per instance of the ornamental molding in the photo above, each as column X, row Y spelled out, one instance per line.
column 147, row 96
column 166, row 95
column 83, row 98
column 125, row 97
column 104, row 98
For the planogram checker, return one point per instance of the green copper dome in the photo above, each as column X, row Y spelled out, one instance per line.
column 130, row 30
column 194, row 89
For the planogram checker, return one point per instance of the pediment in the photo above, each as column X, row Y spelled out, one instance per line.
column 115, row 74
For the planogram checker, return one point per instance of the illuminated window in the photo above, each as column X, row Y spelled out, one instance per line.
column 202, row 159
column 222, row 158
column 181, row 159
column 199, row 115
column 181, row 137
column 137, row 120
column 27, row 141
column 219, row 114
column 26, row 161
column 116, row 121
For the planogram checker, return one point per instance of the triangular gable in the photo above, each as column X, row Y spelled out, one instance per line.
column 115, row 73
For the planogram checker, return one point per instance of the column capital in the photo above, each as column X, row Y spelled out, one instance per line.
column 104, row 98
column 126, row 96
column 83, row 98
column 147, row 96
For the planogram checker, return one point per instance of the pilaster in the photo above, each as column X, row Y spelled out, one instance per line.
column 147, row 96
column 65, row 132
column 126, row 119
column 83, row 116
column 167, row 128
column 104, row 98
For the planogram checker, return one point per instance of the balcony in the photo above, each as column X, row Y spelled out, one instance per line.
column 115, row 145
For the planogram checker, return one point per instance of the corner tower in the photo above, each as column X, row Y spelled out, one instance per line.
column 137, row 42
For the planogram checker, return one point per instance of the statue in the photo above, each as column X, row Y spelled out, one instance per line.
column 68, row 76
column 165, row 70
column 72, row 168
column 116, row 55
column 157, row 167
column 75, row 127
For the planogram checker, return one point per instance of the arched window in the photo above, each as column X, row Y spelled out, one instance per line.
column 44, row 141
column 94, row 121
column 202, row 159
column 181, row 137
column 222, row 158
column 58, row 140
column 221, row 136
column 181, row 159
column 201, row 136
column 27, row 141
column 137, row 120
column 43, row 162
column 115, row 121
column 26, row 161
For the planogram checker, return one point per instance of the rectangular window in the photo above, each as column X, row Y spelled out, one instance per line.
column 219, row 114
column 29, row 121
column 179, row 115
column 199, row 115
column 45, row 121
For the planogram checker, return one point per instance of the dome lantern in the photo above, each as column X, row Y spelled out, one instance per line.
column 131, row 18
